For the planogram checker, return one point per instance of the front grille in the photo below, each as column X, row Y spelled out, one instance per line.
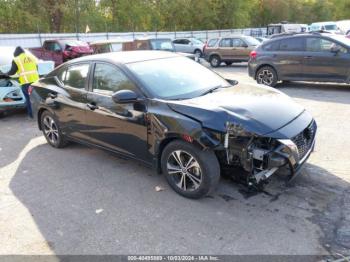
column 304, row 139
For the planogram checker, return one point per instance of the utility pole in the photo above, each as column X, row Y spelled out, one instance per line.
column 77, row 14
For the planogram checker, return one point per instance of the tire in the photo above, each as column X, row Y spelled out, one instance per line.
column 199, row 179
column 198, row 53
column 215, row 61
column 267, row 76
column 51, row 130
column 228, row 63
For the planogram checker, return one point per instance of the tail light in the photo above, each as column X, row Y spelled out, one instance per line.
column 30, row 90
column 253, row 54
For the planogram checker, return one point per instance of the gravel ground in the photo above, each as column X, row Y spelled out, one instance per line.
column 80, row 200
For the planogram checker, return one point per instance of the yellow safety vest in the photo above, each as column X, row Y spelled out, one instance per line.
column 27, row 68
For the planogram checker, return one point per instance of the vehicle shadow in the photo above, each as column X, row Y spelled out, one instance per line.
column 328, row 92
column 15, row 135
column 85, row 201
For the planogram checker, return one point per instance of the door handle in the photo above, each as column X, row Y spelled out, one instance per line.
column 92, row 106
column 52, row 95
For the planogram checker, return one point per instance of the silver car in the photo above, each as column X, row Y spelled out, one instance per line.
column 189, row 45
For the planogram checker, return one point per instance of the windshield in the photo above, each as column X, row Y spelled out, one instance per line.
column 330, row 27
column 251, row 40
column 196, row 41
column 176, row 77
column 342, row 39
column 162, row 44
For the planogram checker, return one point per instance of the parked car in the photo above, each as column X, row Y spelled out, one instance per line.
column 318, row 57
column 112, row 45
column 285, row 27
column 229, row 49
column 62, row 50
column 189, row 45
column 331, row 27
column 11, row 96
column 159, row 44
column 175, row 115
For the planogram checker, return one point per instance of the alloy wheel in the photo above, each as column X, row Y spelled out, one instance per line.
column 265, row 77
column 215, row 61
column 50, row 129
column 185, row 170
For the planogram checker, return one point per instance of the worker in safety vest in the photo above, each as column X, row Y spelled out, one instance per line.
column 25, row 66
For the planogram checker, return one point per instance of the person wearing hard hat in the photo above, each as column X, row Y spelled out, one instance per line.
column 25, row 66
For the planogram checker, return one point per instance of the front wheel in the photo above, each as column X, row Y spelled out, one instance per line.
column 266, row 76
column 51, row 130
column 215, row 61
column 191, row 172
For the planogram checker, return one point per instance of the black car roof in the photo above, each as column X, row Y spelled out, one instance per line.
column 126, row 57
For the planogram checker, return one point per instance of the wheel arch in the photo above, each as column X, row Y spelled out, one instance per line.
column 268, row 65
column 197, row 49
column 214, row 54
column 39, row 114
column 166, row 141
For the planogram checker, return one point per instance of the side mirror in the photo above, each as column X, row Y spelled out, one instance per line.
column 232, row 82
column 125, row 97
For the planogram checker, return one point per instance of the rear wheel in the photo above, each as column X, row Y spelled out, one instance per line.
column 266, row 76
column 198, row 53
column 215, row 61
column 191, row 172
column 51, row 130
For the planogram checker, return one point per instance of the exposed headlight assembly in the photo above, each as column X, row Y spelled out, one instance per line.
column 290, row 149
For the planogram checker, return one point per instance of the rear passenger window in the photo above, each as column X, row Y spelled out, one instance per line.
column 292, row 44
column 226, row 42
column 272, row 46
column 236, row 42
column 76, row 76
column 212, row 42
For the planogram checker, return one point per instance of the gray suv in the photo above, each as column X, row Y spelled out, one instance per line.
column 316, row 57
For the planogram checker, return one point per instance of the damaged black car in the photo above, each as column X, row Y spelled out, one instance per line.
column 175, row 115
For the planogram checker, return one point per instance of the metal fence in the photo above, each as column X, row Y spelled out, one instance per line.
column 36, row 40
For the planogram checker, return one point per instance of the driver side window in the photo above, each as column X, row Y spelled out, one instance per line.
column 109, row 79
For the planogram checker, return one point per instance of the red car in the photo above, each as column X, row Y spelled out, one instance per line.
column 61, row 51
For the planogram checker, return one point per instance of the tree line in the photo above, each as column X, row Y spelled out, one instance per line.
column 57, row 16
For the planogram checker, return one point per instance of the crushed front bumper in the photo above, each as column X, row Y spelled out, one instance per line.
column 292, row 152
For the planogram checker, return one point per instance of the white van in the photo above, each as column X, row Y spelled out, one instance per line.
column 325, row 26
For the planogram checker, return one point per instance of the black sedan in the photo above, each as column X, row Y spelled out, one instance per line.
column 175, row 115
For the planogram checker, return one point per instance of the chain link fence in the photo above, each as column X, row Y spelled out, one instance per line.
column 36, row 40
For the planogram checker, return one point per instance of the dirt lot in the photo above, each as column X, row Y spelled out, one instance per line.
column 79, row 200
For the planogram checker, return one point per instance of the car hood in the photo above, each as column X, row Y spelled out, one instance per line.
column 257, row 109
